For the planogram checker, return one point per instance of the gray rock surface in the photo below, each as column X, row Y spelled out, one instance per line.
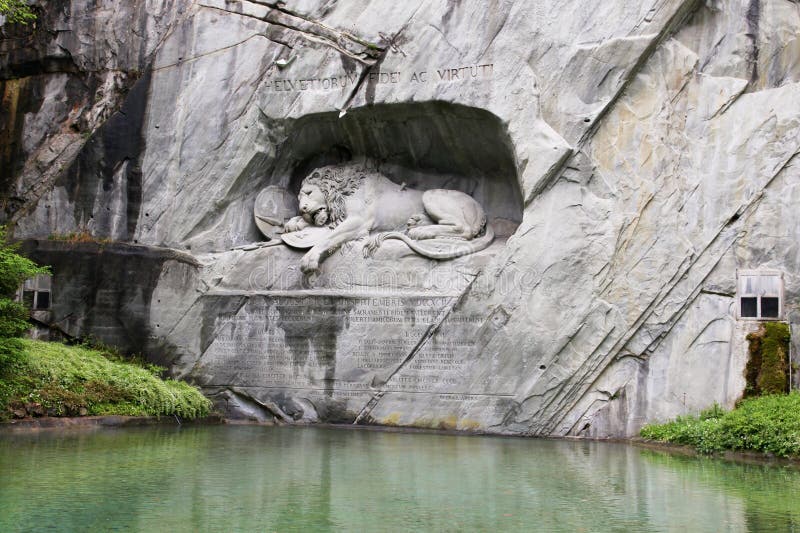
column 636, row 154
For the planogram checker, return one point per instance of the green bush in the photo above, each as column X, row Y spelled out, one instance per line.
column 768, row 424
column 17, row 11
column 14, row 269
column 70, row 380
column 701, row 431
column 113, row 354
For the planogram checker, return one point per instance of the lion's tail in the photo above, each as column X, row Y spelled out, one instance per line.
column 440, row 249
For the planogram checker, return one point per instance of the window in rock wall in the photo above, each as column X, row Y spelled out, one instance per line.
column 760, row 294
column 35, row 292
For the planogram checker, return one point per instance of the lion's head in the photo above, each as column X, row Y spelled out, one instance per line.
column 322, row 193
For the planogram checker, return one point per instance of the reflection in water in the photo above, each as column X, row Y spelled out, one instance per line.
column 771, row 494
column 290, row 479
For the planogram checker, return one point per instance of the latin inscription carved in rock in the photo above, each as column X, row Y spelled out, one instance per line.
column 344, row 80
column 341, row 344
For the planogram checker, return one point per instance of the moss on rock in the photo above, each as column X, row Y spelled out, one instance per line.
column 767, row 368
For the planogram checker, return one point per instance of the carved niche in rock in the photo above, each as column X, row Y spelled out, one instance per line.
column 344, row 203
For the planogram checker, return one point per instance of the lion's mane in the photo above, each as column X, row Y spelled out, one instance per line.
column 335, row 183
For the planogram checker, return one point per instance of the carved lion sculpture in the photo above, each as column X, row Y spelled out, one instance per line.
column 438, row 223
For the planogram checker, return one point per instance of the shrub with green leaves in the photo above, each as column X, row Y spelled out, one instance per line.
column 17, row 11
column 14, row 269
column 769, row 424
column 66, row 380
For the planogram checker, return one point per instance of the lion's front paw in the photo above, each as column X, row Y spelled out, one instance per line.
column 295, row 224
column 420, row 219
column 310, row 262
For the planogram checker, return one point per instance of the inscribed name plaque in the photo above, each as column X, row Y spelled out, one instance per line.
column 328, row 342
column 342, row 347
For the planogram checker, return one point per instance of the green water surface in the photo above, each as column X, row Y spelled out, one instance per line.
column 248, row 478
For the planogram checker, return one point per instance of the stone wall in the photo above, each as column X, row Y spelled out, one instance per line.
column 636, row 154
column 105, row 291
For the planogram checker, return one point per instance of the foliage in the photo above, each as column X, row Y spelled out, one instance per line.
column 698, row 431
column 768, row 424
column 113, row 354
column 774, row 358
column 14, row 269
column 767, row 368
column 10, row 350
column 17, row 11
column 13, row 318
column 69, row 380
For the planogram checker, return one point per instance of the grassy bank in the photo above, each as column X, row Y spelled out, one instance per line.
column 53, row 379
column 769, row 424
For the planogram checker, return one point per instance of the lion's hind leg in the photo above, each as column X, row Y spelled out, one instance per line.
column 456, row 215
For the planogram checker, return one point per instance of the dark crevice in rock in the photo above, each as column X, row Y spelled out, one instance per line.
column 717, row 293
column 47, row 65
column 753, row 29
column 125, row 144
column 19, row 96
column 110, row 161
column 104, row 180
column 63, row 134
column 24, row 48
column 36, row 58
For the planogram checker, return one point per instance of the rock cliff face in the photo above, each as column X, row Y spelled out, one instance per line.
column 633, row 157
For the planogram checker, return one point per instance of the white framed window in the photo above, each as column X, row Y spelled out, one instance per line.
column 759, row 294
column 35, row 292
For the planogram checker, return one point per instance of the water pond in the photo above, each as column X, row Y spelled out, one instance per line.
column 249, row 478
